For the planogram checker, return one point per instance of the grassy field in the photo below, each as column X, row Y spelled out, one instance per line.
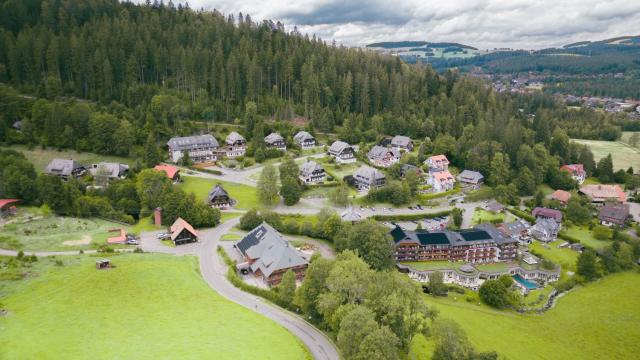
column 421, row 348
column 623, row 155
column 585, row 236
column 599, row 321
column 40, row 158
column 55, row 233
column 246, row 196
column 564, row 256
column 147, row 307
column 228, row 215
column 231, row 237
column 625, row 138
column 481, row 216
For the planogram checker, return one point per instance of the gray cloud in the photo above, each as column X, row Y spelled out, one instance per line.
column 481, row 23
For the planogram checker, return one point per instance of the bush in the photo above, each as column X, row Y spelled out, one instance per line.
column 521, row 214
column 411, row 217
column 601, row 232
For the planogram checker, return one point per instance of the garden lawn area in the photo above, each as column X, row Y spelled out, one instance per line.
column 228, row 215
column 622, row 154
column 55, row 233
column 147, row 307
column 625, row 137
column 585, row 236
column 40, row 158
column 420, row 348
column 546, row 189
column 339, row 171
column 481, row 216
column 492, row 267
column 231, row 237
column 432, row 265
column 246, row 196
column 564, row 256
column 598, row 321
column 144, row 224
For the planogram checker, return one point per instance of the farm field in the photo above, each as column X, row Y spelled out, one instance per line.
column 146, row 307
column 626, row 135
column 598, row 321
column 246, row 196
column 40, row 158
column 622, row 154
column 54, row 233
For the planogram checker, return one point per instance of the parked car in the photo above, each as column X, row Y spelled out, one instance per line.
column 133, row 242
column 162, row 236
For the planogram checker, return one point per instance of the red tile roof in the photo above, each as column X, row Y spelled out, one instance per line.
column 561, row 195
column 604, row 192
column 574, row 169
column 170, row 170
column 179, row 225
column 5, row 202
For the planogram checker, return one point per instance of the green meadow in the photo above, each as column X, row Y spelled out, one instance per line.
column 147, row 307
column 598, row 321
column 246, row 196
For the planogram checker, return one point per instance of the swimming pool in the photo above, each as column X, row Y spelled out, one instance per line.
column 529, row 285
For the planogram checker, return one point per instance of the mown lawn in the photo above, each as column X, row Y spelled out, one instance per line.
column 40, row 158
column 147, row 307
column 599, row 321
column 585, row 236
column 481, row 216
column 54, row 233
column 246, row 196
column 564, row 256
column 623, row 155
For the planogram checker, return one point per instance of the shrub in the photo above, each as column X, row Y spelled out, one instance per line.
column 59, row 262
column 138, row 250
column 411, row 217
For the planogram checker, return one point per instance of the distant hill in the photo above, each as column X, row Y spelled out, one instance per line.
column 416, row 44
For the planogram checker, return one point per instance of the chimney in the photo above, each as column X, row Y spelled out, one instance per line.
column 157, row 216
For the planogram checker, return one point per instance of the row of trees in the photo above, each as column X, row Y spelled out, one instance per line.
column 123, row 200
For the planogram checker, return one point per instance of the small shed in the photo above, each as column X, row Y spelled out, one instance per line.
column 7, row 207
column 103, row 264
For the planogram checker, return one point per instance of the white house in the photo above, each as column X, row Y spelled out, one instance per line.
column 342, row 152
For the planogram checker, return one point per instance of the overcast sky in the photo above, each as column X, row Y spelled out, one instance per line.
column 479, row 23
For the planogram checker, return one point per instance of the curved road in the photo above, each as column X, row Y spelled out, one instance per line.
column 214, row 272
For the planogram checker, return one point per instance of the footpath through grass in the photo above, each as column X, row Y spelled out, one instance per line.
column 599, row 321
column 246, row 196
column 147, row 307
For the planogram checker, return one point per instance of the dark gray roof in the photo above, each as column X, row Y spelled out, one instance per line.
column 368, row 174
column 546, row 225
column 379, row 152
column 273, row 137
column 233, row 137
column 338, row 147
column 309, row 167
column 302, row 136
column 191, row 142
column 401, row 141
column 112, row 170
column 62, row 166
column 217, row 192
column 616, row 212
column 480, row 234
column 469, row 176
column 270, row 250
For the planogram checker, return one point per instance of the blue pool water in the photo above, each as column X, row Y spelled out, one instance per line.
column 526, row 283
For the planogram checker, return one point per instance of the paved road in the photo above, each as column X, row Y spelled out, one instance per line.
column 214, row 272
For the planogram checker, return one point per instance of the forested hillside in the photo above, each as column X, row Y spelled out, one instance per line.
column 153, row 71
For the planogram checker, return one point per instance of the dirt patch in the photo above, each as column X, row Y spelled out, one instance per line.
column 86, row 240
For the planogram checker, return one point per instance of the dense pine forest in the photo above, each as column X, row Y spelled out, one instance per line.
column 120, row 78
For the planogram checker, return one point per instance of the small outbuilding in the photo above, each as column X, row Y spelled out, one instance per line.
column 182, row 232
column 219, row 198
column 103, row 264
column 7, row 207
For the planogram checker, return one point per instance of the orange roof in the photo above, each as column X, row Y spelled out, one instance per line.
column 561, row 195
column 179, row 225
column 439, row 158
column 443, row 176
column 170, row 170
column 117, row 239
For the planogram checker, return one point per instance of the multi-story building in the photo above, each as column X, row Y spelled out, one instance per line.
column 577, row 172
column 304, row 140
column 441, row 180
column 366, row 178
column 400, row 142
column 382, row 156
column 437, row 163
column 201, row 148
column 275, row 141
column 483, row 244
column 236, row 145
column 312, row 173
column 342, row 152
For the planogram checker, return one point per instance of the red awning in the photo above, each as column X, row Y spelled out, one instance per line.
column 5, row 202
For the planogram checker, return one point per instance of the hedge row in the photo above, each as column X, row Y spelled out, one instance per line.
column 411, row 217
column 564, row 236
column 440, row 195
column 522, row 214
column 234, row 278
column 209, row 171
